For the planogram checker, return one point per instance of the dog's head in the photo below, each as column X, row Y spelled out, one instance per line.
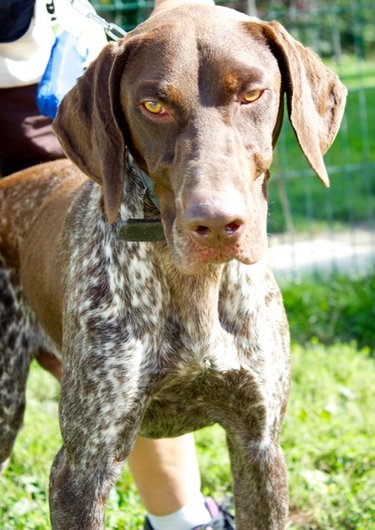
column 195, row 95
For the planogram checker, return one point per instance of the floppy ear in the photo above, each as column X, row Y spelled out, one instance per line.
column 315, row 96
column 90, row 127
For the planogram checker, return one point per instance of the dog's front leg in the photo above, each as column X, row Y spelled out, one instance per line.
column 260, row 483
column 100, row 409
column 81, row 479
column 78, row 493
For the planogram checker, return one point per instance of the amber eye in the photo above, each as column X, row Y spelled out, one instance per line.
column 252, row 95
column 154, row 107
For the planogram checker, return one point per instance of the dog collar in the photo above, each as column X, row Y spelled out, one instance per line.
column 143, row 229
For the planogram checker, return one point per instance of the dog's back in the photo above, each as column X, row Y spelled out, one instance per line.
column 33, row 208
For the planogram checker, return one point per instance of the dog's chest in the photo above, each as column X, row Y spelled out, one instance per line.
column 203, row 379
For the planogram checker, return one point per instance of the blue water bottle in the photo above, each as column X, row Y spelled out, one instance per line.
column 64, row 67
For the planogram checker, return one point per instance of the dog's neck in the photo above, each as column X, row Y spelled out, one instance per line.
column 195, row 296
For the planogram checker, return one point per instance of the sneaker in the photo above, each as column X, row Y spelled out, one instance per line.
column 222, row 519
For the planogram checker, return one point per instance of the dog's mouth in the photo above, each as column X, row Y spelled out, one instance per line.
column 195, row 259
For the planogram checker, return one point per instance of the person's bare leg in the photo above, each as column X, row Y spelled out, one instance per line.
column 165, row 472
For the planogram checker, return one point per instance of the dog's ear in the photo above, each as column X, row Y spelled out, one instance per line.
column 315, row 95
column 89, row 125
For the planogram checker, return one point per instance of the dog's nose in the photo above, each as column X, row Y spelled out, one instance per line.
column 213, row 224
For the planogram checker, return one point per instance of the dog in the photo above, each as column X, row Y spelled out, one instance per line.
column 139, row 262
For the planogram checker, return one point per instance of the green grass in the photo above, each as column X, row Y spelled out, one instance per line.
column 328, row 438
column 332, row 309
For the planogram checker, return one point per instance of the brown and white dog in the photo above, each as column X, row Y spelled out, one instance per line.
column 161, row 337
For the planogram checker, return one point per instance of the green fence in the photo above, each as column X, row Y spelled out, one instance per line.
column 343, row 34
column 126, row 14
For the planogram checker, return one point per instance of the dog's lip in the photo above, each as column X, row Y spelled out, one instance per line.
column 196, row 258
column 195, row 263
column 215, row 256
column 167, row 219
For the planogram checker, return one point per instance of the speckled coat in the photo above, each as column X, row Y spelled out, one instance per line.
column 161, row 338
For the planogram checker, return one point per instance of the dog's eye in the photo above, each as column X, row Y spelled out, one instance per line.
column 251, row 96
column 154, row 107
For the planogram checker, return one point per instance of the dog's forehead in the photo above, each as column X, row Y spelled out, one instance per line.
column 187, row 37
column 210, row 23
